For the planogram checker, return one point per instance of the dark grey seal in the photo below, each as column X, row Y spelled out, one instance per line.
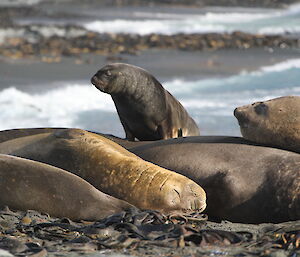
column 147, row 111
column 244, row 182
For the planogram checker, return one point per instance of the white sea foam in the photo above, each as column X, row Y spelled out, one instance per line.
column 19, row 2
column 167, row 27
column 263, row 21
column 283, row 76
column 45, row 31
column 282, row 66
column 57, row 107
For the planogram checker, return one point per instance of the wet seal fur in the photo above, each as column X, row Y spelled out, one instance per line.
column 146, row 110
column 244, row 182
column 275, row 122
column 31, row 185
column 111, row 169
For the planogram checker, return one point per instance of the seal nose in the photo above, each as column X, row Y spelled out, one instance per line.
column 94, row 80
column 239, row 114
column 241, row 117
column 236, row 113
column 199, row 205
column 195, row 197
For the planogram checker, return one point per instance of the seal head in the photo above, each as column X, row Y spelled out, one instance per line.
column 275, row 122
column 110, row 77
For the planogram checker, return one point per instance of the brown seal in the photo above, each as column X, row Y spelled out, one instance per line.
column 111, row 169
column 9, row 134
column 275, row 122
column 243, row 182
column 27, row 184
column 147, row 111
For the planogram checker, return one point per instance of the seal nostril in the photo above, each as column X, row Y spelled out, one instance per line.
column 94, row 80
column 236, row 112
column 241, row 117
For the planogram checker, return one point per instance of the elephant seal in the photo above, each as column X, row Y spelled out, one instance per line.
column 9, row 134
column 243, row 182
column 26, row 184
column 275, row 122
column 111, row 169
column 146, row 110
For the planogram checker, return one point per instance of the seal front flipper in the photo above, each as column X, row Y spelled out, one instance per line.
column 128, row 133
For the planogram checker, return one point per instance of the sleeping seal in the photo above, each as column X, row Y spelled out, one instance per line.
column 9, row 134
column 146, row 110
column 275, row 122
column 243, row 182
column 26, row 184
column 111, row 169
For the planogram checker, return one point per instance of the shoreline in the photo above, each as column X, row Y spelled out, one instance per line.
column 165, row 64
column 53, row 31
column 53, row 48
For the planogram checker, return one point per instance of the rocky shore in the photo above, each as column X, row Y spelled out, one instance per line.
column 30, row 42
column 143, row 233
column 50, row 42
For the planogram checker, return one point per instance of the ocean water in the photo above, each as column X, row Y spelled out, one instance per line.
column 209, row 101
column 145, row 20
column 220, row 20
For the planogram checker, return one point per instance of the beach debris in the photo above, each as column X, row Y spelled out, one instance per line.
column 142, row 232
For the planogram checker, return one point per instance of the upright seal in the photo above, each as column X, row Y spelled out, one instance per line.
column 275, row 122
column 147, row 111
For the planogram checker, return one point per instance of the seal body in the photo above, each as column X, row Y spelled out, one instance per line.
column 111, row 169
column 26, row 184
column 10, row 134
column 275, row 122
column 146, row 110
column 244, row 182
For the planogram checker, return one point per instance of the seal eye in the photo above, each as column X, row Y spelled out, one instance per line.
column 107, row 73
column 261, row 109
